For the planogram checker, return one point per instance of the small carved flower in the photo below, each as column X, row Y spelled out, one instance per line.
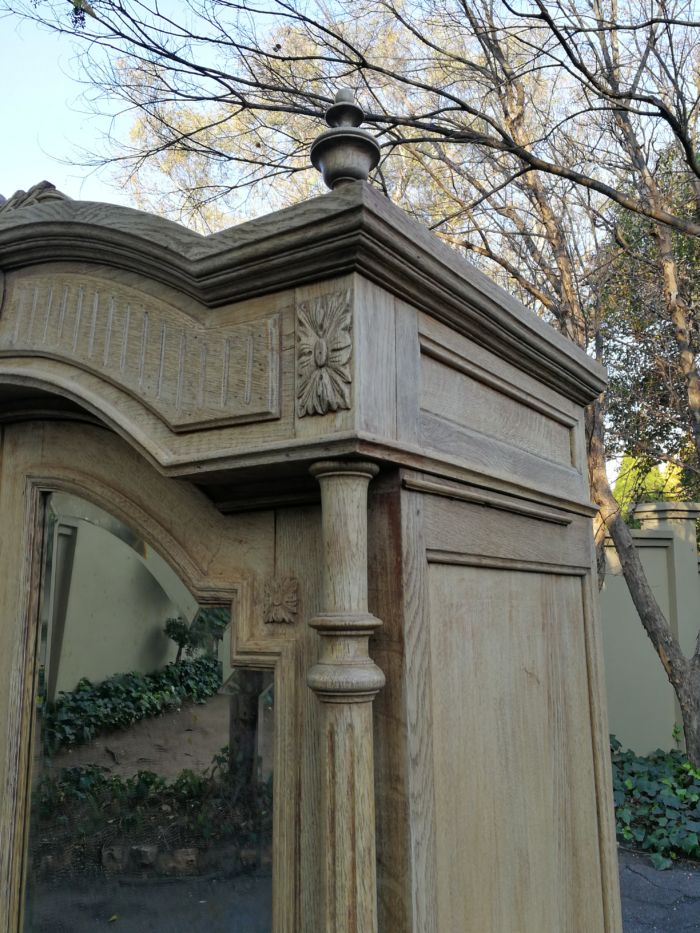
column 281, row 600
column 324, row 337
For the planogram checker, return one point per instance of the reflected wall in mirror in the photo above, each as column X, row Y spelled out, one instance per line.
column 151, row 790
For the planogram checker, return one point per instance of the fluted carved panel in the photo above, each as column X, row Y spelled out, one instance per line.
column 191, row 376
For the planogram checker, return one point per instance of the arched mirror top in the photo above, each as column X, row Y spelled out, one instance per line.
column 88, row 464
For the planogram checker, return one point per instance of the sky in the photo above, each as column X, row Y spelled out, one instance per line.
column 44, row 123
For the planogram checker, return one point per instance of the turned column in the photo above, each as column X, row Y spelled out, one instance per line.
column 346, row 681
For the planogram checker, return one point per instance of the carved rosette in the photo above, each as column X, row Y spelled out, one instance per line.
column 324, row 352
column 281, row 600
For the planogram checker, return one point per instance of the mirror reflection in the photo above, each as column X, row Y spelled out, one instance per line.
column 151, row 782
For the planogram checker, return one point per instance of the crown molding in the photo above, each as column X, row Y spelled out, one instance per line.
column 352, row 229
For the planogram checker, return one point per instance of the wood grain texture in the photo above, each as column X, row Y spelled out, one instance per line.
column 324, row 353
column 463, row 353
column 353, row 229
column 497, row 458
column 408, row 384
column 337, row 330
column 485, row 497
column 470, row 398
column 378, row 371
column 516, row 816
column 385, row 564
column 20, row 558
column 326, row 360
column 346, row 680
column 470, row 529
column 200, row 392
column 298, row 552
column 189, row 375
column 420, row 722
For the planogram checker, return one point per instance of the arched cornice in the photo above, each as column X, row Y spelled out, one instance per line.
column 353, row 229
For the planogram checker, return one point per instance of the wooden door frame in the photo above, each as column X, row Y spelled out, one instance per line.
column 48, row 467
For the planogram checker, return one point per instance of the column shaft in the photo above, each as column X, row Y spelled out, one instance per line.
column 346, row 681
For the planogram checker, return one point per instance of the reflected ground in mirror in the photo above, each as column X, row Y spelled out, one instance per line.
column 151, row 791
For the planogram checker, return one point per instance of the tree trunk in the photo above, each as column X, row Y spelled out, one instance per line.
column 681, row 316
column 683, row 674
column 689, row 700
column 243, row 727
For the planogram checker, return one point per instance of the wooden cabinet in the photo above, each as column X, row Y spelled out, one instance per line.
column 328, row 421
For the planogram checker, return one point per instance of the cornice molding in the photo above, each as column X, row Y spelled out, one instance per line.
column 353, row 229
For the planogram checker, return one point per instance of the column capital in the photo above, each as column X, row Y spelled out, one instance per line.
column 345, row 467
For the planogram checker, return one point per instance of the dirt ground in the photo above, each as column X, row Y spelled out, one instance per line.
column 167, row 744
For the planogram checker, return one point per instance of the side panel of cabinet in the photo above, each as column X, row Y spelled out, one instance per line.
column 515, row 800
column 508, row 781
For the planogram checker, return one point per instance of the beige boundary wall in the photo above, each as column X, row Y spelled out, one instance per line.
column 102, row 581
column 642, row 708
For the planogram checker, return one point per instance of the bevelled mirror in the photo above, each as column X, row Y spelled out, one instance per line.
column 152, row 758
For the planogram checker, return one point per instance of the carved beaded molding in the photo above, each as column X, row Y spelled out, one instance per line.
column 281, row 600
column 324, row 352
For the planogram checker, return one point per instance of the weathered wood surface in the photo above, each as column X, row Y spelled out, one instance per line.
column 335, row 327
column 346, row 681
column 493, row 723
column 193, row 376
column 353, row 229
column 509, row 678
column 336, row 330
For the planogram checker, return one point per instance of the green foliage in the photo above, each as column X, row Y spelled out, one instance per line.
column 656, row 803
column 202, row 634
column 78, row 716
column 86, row 805
column 179, row 631
column 647, row 401
column 642, row 481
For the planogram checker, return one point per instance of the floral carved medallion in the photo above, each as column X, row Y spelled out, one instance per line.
column 324, row 351
column 281, row 600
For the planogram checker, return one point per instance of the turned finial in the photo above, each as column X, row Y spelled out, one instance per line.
column 344, row 153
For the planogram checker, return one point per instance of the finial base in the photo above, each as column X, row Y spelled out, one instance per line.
column 345, row 154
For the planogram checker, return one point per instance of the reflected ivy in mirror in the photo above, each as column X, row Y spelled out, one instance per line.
column 151, row 801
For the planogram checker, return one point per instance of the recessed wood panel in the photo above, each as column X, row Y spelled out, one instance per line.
column 466, row 532
column 517, row 844
column 468, row 400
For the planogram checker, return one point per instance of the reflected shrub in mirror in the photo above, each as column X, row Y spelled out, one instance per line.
column 118, row 702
